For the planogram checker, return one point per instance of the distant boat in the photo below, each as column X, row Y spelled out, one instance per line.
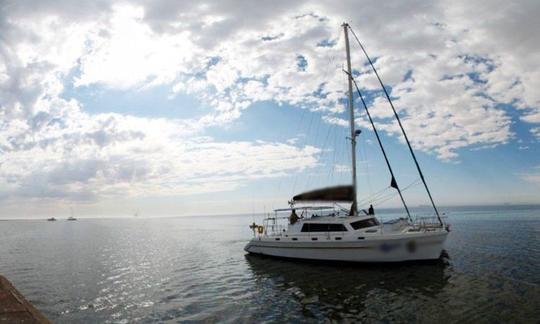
column 71, row 218
column 52, row 219
column 338, row 233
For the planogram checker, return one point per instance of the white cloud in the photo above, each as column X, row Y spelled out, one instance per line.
column 111, row 155
column 450, row 65
column 532, row 177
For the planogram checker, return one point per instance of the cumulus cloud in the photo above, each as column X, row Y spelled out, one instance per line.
column 110, row 155
column 454, row 69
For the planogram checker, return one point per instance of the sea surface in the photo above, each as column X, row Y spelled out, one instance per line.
column 194, row 269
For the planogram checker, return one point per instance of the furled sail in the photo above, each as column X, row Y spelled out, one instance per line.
column 338, row 193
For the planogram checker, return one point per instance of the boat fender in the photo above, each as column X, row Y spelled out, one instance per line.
column 260, row 229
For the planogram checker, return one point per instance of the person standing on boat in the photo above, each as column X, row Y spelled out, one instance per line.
column 293, row 218
column 370, row 210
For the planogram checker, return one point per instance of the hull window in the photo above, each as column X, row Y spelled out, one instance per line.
column 370, row 222
column 321, row 227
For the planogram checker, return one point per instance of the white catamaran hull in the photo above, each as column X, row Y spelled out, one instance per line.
column 421, row 246
column 334, row 233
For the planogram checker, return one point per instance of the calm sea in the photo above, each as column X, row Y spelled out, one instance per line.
column 192, row 269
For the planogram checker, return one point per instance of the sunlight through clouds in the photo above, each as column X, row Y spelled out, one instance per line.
column 456, row 77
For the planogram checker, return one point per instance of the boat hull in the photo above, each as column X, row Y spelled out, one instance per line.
column 421, row 246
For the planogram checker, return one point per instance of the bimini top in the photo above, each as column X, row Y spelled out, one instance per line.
column 338, row 193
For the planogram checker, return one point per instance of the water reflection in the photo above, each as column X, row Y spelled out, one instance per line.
column 351, row 291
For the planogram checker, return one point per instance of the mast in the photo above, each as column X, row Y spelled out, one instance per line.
column 354, row 207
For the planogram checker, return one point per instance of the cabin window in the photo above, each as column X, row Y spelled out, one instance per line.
column 321, row 227
column 314, row 239
column 294, row 239
column 338, row 238
column 277, row 238
column 370, row 222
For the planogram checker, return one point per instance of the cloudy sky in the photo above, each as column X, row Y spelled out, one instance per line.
column 176, row 107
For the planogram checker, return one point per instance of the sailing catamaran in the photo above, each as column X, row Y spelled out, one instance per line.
column 335, row 233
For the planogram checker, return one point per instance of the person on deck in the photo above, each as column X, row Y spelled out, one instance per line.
column 370, row 210
column 293, row 218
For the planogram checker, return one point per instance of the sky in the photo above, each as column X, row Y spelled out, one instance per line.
column 166, row 108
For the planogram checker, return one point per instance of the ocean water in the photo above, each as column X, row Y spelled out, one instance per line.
column 194, row 269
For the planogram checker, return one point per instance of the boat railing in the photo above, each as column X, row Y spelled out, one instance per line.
column 429, row 222
column 278, row 222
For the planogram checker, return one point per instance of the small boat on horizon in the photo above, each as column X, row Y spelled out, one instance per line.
column 71, row 218
column 52, row 219
column 333, row 232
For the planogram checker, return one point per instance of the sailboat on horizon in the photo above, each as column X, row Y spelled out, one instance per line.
column 71, row 218
column 332, row 232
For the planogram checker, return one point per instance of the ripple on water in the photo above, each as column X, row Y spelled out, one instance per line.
column 195, row 269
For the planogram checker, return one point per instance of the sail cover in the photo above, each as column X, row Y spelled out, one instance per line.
column 339, row 193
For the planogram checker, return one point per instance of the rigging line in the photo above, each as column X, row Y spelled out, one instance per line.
column 339, row 148
column 374, row 198
column 303, row 144
column 385, row 199
column 332, row 161
column 394, row 182
column 330, row 65
column 321, row 154
column 401, row 126
column 345, row 151
column 392, row 195
column 347, row 155
column 315, row 141
column 322, row 157
column 412, row 184
column 336, row 153
column 378, row 193
column 301, row 119
column 316, row 138
column 340, row 153
column 363, row 147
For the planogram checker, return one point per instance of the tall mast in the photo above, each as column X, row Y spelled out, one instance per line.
column 351, row 118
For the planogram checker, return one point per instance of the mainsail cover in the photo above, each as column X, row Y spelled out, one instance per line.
column 338, row 193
